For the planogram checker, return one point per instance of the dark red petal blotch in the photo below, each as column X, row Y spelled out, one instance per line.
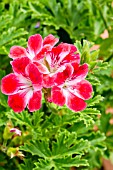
column 9, row 84
column 19, row 65
column 17, row 51
column 57, row 96
column 17, row 102
column 85, row 89
column 75, row 103
column 35, row 101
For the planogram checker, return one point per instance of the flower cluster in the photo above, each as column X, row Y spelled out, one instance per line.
column 43, row 66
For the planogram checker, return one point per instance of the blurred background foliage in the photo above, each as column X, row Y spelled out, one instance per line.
column 71, row 21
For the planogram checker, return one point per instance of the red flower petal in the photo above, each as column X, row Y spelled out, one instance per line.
column 35, row 76
column 84, row 89
column 57, row 54
column 79, row 73
column 62, row 48
column 48, row 81
column 75, row 103
column 51, row 40
column 75, row 66
column 41, row 54
column 17, row 102
column 72, row 48
column 10, row 84
column 35, row 44
column 17, row 51
column 82, row 71
column 42, row 68
column 71, row 58
column 35, row 101
column 19, row 65
column 57, row 96
column 62, row 76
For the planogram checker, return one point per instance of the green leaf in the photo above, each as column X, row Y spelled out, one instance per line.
column 28, row 164
column 4, row 21
column 11, row 34
column 23, row 118
column 101, row 66
column 40, row 148
column 94, row 80
column 44, row 164
column 95, row 100
column 68, row 162
column 61, row 164
column 66, row 144
column 3, row 100
column 94, row 55
column 69, row 145
column 88, row 115
column 61, row 152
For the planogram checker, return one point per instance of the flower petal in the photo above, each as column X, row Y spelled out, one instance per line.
column 72, row 48
column 19, row 65
column 61, row 51
column 48, row 81
column 35, row 101
column 57, row 96
column 84, row 89
column 75, row 103
column 17, row 51
column 16, row 131
column 64, row 49
column 41, row 54
column 51, row 40
column 71, row 58
column 17, row 102
column 10, row 84
column 56, row 55
column 42, row 68
column 34, row 75
column 80, row 73
column 34, row 44
column 62, row 76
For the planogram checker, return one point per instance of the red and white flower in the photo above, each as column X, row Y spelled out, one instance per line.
column 36, row 48
column 71, row 88
column 16, row 131
column 55, row 61
column 41, row 65
column 23, row 86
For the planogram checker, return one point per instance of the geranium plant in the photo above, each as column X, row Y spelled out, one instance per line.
column 52, row 116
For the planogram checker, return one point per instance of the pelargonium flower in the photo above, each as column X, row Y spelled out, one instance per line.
column 36, row 47
column 16, row 131
column 55, row 61
column 23, row 86
column 71, row 87
column 57, row 69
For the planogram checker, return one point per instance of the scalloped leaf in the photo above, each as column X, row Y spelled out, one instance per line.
column 95, row 100
column 61, row 164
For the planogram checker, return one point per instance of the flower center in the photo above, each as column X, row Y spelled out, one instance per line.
column 26, row 85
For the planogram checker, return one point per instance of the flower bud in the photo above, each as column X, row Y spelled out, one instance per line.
column 12, row 152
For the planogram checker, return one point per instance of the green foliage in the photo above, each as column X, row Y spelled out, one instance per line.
column 55, row 137
column 66, row 144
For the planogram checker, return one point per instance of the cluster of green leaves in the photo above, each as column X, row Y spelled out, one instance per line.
column 11, row 32
column 54, row 137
